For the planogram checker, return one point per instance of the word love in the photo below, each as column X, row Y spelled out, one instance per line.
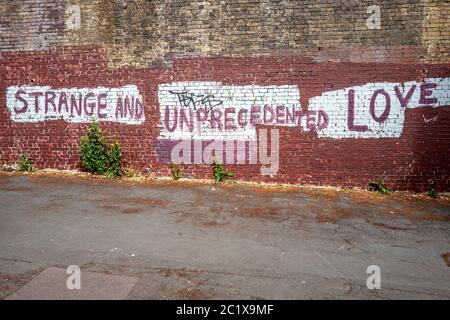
column 36, row 103
column 377, row 110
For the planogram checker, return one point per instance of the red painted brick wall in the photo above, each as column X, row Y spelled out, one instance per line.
column 417, row 160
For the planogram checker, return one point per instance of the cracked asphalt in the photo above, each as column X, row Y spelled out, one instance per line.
column 186, row 240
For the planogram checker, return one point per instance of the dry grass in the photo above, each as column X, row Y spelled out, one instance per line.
column 411, row 206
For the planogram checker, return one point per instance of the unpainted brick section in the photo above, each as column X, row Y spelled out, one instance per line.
column 140, row 33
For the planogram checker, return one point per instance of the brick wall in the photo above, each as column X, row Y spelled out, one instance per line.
column 348, row 104
column 141, row 33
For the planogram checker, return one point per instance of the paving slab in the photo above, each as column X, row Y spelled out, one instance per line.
column 50, row 284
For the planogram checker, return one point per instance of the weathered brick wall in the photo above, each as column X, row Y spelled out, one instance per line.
column 349, row 104
column 141, row 32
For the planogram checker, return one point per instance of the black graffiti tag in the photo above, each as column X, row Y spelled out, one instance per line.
column 189, row 99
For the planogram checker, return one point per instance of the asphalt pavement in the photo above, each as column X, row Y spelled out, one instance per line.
column 188, row 240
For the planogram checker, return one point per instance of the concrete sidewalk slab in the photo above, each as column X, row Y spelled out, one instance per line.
column 50, row 284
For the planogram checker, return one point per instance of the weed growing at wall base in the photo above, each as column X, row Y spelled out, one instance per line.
column 378, row 185
column 433, row 193
column 24, row 164
column 219, row 172
column 97, row 156
column 175, row 170
column 130, row 172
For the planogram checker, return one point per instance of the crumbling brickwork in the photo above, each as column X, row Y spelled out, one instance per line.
column 141, row 32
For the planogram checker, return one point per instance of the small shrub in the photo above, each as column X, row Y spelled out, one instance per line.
column 114, row 169
column 219, row 172
column 175, row 170
column 433, row 193
column 99, row 157
column 94, row 150
column 24, row 164
column 378, row 185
